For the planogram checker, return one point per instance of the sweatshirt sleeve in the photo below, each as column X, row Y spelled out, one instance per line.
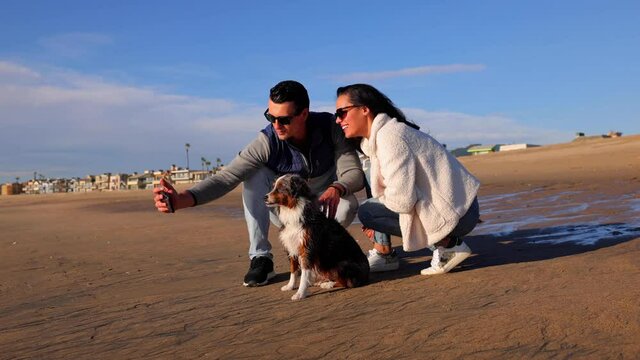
column 398, row 169
column 248, row 161
column 348, row 169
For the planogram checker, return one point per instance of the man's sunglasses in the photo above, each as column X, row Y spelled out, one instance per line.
column 282, row 120
column 342, row 112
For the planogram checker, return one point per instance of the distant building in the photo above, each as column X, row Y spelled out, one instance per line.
column 46, row 187
column 580, row 136
column 516, row 147
column 60, row 185
column 108, row 181
column 102, row 182
column 142, row 181
column 483, row 149
column 118, row 182
column 199, row 175
column 10, row 189
column 31, row 187
column 157, row 176
column 181, row 176
column 463, row 151
column 86, row 184
column 133, row 181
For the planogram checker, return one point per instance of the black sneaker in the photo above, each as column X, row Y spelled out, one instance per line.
column 260, row 271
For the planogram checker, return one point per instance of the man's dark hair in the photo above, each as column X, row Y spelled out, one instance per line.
column 290, row 90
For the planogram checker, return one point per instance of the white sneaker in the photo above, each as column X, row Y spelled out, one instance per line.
column 444, row 259
column 379, row 262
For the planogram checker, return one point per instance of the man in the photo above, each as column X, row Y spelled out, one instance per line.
column 297, row 141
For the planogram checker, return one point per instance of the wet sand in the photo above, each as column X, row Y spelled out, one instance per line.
column 554, row 274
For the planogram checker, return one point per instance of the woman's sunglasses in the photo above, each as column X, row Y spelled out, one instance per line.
column 342, row 112
column 282, row 120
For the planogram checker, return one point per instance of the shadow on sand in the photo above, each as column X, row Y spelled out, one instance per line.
column 522, row 246
column 546, row 243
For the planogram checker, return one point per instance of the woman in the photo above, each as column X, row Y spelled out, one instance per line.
column 420, row 191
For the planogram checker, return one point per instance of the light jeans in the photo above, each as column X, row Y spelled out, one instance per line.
column 374, row 215
column 257, row 214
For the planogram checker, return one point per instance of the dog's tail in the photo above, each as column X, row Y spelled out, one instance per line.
column 355, row 275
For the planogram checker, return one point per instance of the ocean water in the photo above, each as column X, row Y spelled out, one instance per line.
column 573, row 216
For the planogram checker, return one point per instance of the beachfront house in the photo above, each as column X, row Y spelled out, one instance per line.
column 72, row 184
column 142, row 181
column 118, row 182
column 46, row 187
column 133, row 181
column 483, row 149
column 157, row 176
column 31, row 187
column 78, row 184
column 510, row 147
column 60, row 185
column 181, row 176
column 86, row 184
column 147, row 180
column 199, row 175
column 462, row 151
column 11, row 189
column 102, row 182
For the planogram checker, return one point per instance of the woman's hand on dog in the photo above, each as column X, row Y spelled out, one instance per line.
column 329, row 201
column 368, row 232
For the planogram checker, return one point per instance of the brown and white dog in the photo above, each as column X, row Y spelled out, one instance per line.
column 319, row 248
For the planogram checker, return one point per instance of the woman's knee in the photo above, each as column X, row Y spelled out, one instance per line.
column 365, row 213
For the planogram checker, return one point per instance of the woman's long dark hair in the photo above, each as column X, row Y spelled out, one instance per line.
column 377, row 102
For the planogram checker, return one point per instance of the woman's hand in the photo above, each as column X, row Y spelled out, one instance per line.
column 368, row 232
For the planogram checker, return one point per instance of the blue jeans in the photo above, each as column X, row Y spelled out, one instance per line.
column 374, row 215
column 257, row 214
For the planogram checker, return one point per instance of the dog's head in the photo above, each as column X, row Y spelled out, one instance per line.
column 287, row 190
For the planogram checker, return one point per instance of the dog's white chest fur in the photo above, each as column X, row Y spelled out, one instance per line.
column 293, row 233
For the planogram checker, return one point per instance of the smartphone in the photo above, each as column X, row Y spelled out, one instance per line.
column 167, row 200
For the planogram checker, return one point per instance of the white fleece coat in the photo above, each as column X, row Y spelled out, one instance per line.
column 415, row 176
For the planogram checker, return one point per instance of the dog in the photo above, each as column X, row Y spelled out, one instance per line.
column 318, row 247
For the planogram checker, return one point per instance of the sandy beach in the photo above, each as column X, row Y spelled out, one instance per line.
column 554, row 274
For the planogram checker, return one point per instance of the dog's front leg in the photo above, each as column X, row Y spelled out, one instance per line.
column 293, row 268
column 291, row 284
column 305, row 280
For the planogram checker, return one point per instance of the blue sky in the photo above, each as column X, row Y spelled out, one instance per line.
column 120, row 86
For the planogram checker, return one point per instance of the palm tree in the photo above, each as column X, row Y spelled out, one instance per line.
column 203, row 162
column 186, row 148
column 218, row 163
column 208, row 164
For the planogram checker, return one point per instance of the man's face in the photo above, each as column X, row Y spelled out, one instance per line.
column 297, row 126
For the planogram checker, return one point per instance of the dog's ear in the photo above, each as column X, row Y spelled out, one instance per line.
column 299, row 187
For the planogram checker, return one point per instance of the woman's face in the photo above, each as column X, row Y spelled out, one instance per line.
column 352, row 119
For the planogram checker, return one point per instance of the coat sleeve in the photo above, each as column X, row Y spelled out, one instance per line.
column 248, row 161
column 398, row 170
